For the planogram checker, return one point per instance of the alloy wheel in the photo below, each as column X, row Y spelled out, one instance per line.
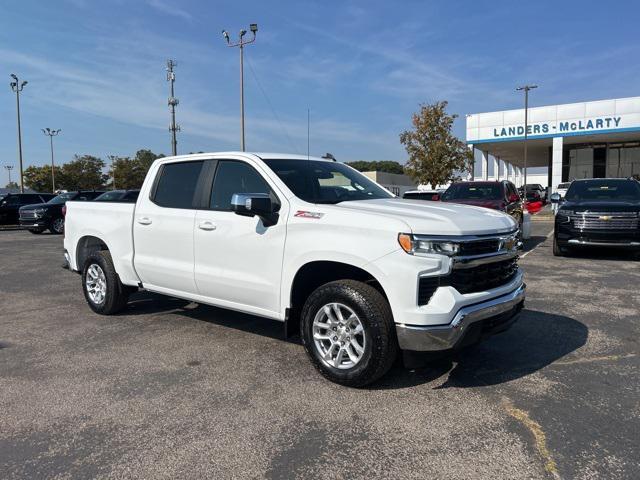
column 338, row 336
column 96, row 284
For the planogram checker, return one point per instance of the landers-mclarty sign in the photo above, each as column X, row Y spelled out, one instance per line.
column 560, row 128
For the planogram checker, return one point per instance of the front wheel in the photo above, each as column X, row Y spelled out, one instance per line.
column 101, row 285
column 57, row 226
column 348, row 332
column 558, row 251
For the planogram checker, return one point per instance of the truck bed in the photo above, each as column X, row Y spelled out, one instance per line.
column 109, row 221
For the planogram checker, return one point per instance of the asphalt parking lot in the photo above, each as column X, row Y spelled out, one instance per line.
column 171, row 389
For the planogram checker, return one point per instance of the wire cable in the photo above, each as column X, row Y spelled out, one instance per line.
column 273, row 110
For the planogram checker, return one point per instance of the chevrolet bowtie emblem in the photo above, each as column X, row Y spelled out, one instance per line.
column 605, row 217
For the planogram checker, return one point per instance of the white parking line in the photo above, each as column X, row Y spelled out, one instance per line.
column 527, row 253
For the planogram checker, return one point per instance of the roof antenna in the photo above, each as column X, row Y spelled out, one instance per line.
column 308, row 123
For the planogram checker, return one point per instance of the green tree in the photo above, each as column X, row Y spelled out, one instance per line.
column 388, row 166
column 39, row 178
column 82, row 173
column 129, row 172
column 436, row 156
column 12, row 185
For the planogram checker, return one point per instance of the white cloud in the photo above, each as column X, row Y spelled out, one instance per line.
column 169, row 9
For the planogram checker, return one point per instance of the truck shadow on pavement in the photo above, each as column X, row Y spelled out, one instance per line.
column 146, row 303
column 536, row 340
column 532, row 242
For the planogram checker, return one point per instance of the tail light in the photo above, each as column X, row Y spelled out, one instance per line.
column 64, row 211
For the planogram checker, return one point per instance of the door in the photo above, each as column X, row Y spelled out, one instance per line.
column 163, row 228
column 238, row 261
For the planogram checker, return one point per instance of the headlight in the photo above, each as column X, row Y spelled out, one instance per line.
column 565, row 213
column 422, row 246
column 39, row 212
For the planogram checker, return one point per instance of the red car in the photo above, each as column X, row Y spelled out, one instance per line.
column 497, row 195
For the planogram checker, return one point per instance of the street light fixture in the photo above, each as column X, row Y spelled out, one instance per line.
column 241, row 43
column 526, row 89
column 52, row 133
column 17, row 86
column 8, row 168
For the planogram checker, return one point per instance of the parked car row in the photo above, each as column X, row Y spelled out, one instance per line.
column 496, row 195
column 11, row 203
column 38, row 212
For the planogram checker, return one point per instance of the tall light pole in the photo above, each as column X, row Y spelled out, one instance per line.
column 241, row 43
column 8, row 168
column 52, row 133
column 173, row 102
column 17, row 86
column 526, row 89
column 113, row 159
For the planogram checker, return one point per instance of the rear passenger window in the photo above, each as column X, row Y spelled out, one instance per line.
column 177, row 184
column 236, row 177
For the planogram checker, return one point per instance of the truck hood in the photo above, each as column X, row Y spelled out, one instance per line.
column 494, row 204
column 437, row 218
column 601, row 206
column 34, row 206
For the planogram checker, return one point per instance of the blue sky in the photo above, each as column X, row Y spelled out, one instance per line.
column 96, row 70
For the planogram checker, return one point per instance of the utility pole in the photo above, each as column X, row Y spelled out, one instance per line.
column 526, row 89
column 8, row 168
column 241, row 43
column 173, row 103
column 17, row 86
column 52, row 133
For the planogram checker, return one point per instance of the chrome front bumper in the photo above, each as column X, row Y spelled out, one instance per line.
column 445, row 337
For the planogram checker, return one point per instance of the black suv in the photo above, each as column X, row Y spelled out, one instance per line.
column 10, row 204
column 42, row 216
column 601, row 212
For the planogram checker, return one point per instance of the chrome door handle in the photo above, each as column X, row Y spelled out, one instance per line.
column 207, row 226
column 144, row 221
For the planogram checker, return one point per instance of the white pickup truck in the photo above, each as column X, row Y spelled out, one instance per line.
column 310, row 242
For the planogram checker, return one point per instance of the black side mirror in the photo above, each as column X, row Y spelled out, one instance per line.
column 555, row 197
column 255, row 204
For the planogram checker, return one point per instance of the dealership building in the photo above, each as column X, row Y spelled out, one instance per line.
column 576, row 140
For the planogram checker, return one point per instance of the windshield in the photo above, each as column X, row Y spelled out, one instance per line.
column 318, row 181
column 607, row 190
column 62, row 198
column 472, row 191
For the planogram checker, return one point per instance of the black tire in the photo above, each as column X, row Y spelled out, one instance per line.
column 36, row 231
column 558, row 251
column 373, row 312
column 116, row 296
column 57, row 226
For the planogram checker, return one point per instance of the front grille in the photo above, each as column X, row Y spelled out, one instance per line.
column 483, row 277
column 605, row 221
column 469, row 280
column 27, row 215
column 479, row 247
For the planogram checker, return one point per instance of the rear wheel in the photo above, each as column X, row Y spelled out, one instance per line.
column 57, row 226
column 348, row 332
column 101, row 285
